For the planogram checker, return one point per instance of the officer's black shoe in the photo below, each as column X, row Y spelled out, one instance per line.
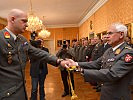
column 70, row 94
column 98, row 89
column 64, row 94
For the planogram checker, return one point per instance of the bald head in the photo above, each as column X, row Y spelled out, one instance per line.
column 16, row 13
column 17, row 21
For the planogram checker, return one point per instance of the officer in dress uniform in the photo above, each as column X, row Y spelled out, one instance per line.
column 128, row 41
column 66, row 52
column 76, row 50
column 114, row 68
column 80, row 56
column 91, row 47
column 97, row 53
column 14, row 51
column 85, row 50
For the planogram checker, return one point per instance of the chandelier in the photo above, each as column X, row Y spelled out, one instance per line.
column 44, row 33
column 35, row 24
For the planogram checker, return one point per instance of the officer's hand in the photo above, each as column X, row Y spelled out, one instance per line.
column 71, row 63
column 65, row 64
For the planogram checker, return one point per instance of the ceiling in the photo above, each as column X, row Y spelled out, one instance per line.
column 55, row 12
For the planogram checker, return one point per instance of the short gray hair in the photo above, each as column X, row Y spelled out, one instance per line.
column 120, row 28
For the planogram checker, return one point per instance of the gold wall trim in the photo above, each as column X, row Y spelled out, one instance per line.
column 62, row 26
column 92, row 11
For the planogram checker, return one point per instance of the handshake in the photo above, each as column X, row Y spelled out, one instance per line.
column 69, row 64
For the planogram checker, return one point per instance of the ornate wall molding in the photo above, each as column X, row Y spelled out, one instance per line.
column 62, row 26
column 93, row 10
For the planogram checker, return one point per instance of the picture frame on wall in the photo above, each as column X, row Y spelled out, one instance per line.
column 91, row 35
column 59, row 43
column 68, row 41
column 128, row 29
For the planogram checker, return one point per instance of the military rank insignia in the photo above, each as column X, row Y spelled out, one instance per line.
column 128, row 58
column 7, row 35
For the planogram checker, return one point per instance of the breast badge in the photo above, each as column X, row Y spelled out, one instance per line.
column 7, row 35
column 117, row 51
column 128, row 58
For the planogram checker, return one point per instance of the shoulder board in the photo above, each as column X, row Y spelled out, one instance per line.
column 128, row 48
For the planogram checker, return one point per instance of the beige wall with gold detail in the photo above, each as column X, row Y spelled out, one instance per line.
column 112, row 11
column 1, row 26
column 131, row 33
column 57, row 34
column 63, row 34
column 27, row 35
column 3, row 23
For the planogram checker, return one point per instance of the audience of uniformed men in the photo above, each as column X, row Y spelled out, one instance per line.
column 89, row 50
column 82, row 51
column 86, row 50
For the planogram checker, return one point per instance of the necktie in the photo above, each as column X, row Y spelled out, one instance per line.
column 17, row 38
column 104, row 45
column 110, row 51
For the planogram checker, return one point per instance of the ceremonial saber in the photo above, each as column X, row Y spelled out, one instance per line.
column 74, row 96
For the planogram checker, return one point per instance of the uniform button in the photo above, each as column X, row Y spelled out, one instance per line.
column 8, row 94
column 10, row 53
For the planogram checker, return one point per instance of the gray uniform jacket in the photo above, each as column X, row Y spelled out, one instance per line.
column 65, row 53
column 115, row 70
column 13, row 57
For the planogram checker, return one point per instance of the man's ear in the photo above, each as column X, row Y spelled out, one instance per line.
column 12, row 19
column 122, row 35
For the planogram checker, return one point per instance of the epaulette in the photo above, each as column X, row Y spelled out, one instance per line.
column 128, row 48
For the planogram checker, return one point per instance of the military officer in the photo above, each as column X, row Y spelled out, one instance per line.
column 14, row 51
column 114, row 68
column 76, row 50
column 66, row 52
